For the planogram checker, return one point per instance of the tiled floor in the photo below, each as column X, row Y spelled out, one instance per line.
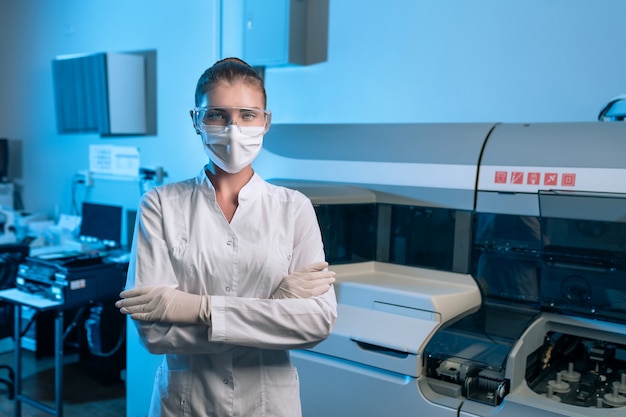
column 84, row 393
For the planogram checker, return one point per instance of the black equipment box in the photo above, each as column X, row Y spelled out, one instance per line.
column 72, row 280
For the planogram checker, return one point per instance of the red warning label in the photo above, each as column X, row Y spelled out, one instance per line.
column 550, row 178
column 568, row 180
column 533, row 178
column 501, row 177
column 517, row 177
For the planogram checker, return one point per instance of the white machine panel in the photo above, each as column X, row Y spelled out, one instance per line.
column 386, row 313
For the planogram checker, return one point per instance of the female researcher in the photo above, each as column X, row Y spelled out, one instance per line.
column 227, row 271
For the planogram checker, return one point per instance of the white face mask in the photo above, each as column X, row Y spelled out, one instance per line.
column 232, row 148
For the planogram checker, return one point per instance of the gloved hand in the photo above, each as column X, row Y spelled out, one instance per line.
column 165, row 304
column 309, row 281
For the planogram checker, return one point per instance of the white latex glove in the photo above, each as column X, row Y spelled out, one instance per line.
column 310, row 281
column 165, row 304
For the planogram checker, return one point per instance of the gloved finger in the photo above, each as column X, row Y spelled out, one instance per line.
column 142, row 316
column 128, row 307
column 146, row 294
column 307, row 283
column 132, row 309
column 322, row 287
column 135, row 292
column 134, row 301
column 312, row 276
column 323, row 274
column 317, row 266
column 314, row 283
column 143, row 304
column 147, row 299
column 319, row 290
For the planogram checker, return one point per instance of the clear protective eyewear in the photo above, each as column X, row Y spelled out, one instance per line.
column 250, row 121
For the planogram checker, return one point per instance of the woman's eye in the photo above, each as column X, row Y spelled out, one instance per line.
column 214, row 115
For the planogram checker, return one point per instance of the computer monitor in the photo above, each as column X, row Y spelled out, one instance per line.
column 102, row 222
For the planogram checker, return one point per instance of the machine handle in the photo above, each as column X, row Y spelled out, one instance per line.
column 373, row 346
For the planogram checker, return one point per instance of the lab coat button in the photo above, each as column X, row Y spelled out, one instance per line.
column 225, row 381
column 227, row 289
column 229, row 243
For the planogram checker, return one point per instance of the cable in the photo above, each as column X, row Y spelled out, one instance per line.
column 72, row 324
column 77, row 179
column 92, row 326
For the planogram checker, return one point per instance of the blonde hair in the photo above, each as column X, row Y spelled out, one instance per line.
column 229, row 70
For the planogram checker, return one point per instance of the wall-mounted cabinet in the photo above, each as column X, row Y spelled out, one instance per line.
column 285, row 32
column 101, row 93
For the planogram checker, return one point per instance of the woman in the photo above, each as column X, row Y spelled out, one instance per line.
column 227, row 271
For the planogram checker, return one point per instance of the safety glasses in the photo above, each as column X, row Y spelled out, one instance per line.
column 214, row 119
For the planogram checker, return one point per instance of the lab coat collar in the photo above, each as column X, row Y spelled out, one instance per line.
column 249, row 191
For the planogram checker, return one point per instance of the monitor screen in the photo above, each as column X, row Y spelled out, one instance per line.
column 102, row 222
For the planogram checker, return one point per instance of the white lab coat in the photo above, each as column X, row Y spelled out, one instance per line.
column 240, row 364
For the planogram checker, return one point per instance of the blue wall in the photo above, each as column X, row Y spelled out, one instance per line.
column 388, row 62
column 410, row 61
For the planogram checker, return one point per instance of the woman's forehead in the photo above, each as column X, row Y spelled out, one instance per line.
column 238, row 94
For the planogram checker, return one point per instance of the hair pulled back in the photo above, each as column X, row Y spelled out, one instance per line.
column 229, row 70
